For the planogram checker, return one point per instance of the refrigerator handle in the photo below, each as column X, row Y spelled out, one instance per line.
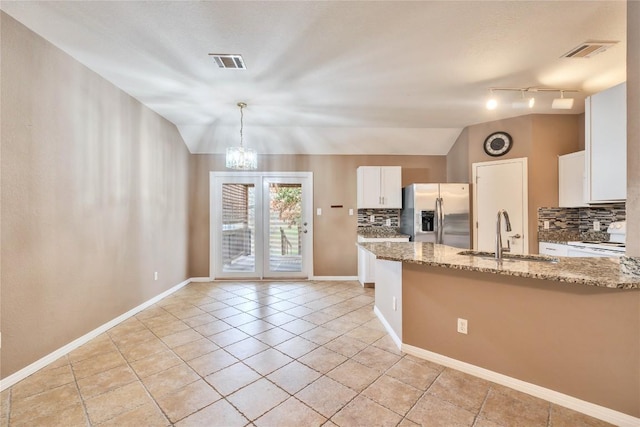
column 439, row 220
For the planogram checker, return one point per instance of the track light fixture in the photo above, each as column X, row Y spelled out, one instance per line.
column 492, row 102
column 524, row 102
column 561, row 103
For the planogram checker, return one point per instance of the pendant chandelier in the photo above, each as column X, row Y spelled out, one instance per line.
column 241, row 158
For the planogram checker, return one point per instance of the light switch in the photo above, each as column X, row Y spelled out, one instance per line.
column 350, row 212
column 319, row 211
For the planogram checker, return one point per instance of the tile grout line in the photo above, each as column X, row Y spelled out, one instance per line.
column 75, row 382
column 424, row 393
column 484, row 401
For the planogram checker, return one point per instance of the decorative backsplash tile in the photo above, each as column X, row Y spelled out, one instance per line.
column 580, row 220
column 606, row 214
column 380, row 215
column 559, row 218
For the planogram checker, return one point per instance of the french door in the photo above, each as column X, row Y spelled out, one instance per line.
column 261, row 225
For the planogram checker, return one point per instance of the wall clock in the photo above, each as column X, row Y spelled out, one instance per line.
column 498, row 144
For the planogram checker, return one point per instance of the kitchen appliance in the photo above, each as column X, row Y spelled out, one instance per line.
column 437, row 213
column 614, row 247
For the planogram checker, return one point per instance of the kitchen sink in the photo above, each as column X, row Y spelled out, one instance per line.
column 511, row 257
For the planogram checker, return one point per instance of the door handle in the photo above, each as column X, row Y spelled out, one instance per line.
column 516, row 236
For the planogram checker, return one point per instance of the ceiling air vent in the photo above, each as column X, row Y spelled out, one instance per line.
column 234, row 62
column 588, row 49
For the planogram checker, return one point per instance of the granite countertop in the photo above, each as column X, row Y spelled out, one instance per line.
column 373, row 232
column 600, row 272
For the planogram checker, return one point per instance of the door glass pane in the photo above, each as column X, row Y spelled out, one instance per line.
column 285, row 227
column 238, row 228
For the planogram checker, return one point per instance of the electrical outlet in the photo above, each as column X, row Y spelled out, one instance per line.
column 155, row 275
column 546, row 225
column 395, row 304
column 372, row 218
column 462, row 326
column 388, row 222
column 350, row 212
column 596, row 225
column 319, row 211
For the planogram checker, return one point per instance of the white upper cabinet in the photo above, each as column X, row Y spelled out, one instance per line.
column 571, row 180
column 606, row 145
column 379, row 187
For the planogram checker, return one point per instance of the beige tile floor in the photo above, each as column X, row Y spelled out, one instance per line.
column 263, row 354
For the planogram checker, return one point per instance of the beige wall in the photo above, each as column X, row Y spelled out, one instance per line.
column 458, row 159
column 579, row 340
column 334, row 180
column 94, row 200
column 633, row 128
column 538, row 137
column 552, row 135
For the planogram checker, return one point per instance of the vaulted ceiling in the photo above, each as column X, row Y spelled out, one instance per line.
column 344, row 77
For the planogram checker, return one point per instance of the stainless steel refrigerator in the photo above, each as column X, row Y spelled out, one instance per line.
column 437, row 213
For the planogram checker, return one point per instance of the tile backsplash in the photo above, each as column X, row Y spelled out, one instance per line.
column 380, row 215
column 606, row 214
column 581, row 219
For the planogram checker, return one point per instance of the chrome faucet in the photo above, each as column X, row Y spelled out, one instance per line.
column 499, row 248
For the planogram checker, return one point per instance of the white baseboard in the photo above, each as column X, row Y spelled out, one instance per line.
column 337, row 278
column 588, row 408
column 396, row 339
column 52, row 357
column 201, row 279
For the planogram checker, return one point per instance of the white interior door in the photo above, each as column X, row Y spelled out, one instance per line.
column 500, row 185
column 261, row 225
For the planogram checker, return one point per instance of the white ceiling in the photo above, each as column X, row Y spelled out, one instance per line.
column 384, row 77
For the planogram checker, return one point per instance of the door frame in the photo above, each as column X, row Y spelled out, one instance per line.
column 214, row 217
column 525, row 199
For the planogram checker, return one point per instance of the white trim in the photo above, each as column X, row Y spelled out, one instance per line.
column 588, row 408
column 396, row 339
column 339, row 278
column 200, row 279
column 55, row 355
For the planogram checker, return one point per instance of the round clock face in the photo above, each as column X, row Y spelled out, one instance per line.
column 498, row 144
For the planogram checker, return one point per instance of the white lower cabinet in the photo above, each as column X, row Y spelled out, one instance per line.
column 553, row 249
column 366, row 267
column 367, row 260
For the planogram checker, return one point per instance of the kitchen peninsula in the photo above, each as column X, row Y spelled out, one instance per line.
column 567, row 331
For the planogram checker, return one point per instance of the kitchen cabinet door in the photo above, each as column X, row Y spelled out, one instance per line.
column 606, row 145
column 379, row 187
column 366, row 267
column 571, row 180
column 391, row 187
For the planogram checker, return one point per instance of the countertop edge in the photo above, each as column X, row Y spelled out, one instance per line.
column 557, row 277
